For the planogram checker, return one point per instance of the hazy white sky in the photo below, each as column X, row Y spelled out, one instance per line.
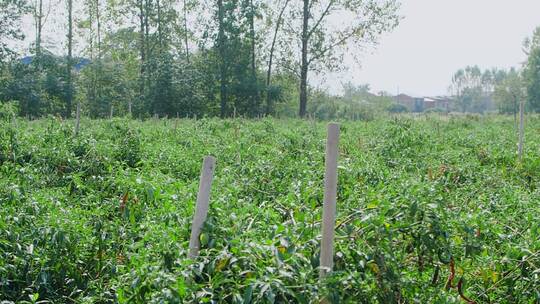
column 437, row 37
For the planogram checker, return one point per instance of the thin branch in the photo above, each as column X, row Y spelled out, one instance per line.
column 290, row 27
column 331, row 46
column 321, row 18
column 290, row 69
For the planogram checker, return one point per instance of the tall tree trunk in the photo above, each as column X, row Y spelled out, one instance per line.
column 255, row 93
column 186, row 31
column 98, row 20
column 149, row 69
column 91, row 30
column 147, row 26
column 222, row 59
column 69, row 97
column 99, row 73
column 269, row 105
column 305, row 63
column 34, row 108
column 93, row 89
column 39, row 27
column 142, row 50
column 159, row 29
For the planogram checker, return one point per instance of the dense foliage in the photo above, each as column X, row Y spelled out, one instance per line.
column 178, row 58
column 11, row 12
column 474, row 88
column 531, row 73
column 482, row 91
column 428, row 208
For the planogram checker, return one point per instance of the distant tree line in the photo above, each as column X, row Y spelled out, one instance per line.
column 186, row 58
column 479, row 91
column 473, row 89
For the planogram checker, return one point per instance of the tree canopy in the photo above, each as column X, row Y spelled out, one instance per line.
column 192, row 58
column 531, row 72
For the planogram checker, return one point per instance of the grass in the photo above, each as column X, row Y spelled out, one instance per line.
column 105, row 217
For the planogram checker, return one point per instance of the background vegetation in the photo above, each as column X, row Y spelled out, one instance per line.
column 194, row 58
column 214, row 58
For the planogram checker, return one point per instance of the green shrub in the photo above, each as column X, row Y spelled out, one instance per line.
column 397, row 108
column 8, row 109
column 435, row 110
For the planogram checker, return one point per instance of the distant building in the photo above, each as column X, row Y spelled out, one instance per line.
column 420, row 104
column 441, row 103
column 406, row 100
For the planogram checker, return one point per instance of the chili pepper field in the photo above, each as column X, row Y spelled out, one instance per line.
column 430, row 209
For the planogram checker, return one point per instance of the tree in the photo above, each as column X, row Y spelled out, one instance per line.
column 91, row 80
column 11, row 12
column 358, row 92
column 269, row 89
column 233, row 52
column 247, row 57
column 36, row 83
column 221, row 46
column 38, row 87
column 324, row 40
column 185, row 28
column 38, row 19
column 509, row 92
column 531, row 71
column 250, row 10
column 118, row 82
column 471, row 89
column 69, row 60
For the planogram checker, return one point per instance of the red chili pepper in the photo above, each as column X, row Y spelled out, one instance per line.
column 452, row 274
column 460, row 291
column 123, row 202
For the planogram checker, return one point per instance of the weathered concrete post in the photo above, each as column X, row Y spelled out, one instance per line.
column 329, row 204
column 201, row 208
column 78, row 118
column 521, row 131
